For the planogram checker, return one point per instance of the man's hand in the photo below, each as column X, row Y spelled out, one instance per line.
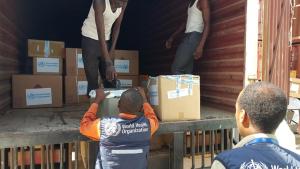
column 110, row 71
column 142, row 92
column 198, row 53
column 100, row 96
column 169, row 43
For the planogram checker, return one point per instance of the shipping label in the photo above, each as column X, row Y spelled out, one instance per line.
column 126, row 83
column 173, row 94
column 153, row 93
column 294, row 88
column 82, row 88
column 47, row 65
column 80, row 64
column 122, row 66
column 42, row 96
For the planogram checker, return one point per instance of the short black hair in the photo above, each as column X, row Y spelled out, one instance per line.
column 265, row 104
column 131, row 102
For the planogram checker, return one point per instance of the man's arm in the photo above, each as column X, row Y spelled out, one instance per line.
column 206, row 19
column 180, row 29
column 99, row 7
column 89, row 125
column 116, row 29
column 149, row 113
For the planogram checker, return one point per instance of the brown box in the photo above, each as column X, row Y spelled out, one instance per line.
column 44, row 48
column 74, row 62
column 126, row 62
column 49, row 66
column 129, row 81
column 295, row 87
column 76, row 89
column 175, row 97
column 31, row 91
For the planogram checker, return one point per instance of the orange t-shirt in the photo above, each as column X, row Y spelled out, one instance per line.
column 90, row 124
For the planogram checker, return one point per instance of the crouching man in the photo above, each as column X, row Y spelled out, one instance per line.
column 260, row 108
column 124, row 140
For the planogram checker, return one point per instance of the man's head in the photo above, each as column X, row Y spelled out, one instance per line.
column 131, row 102
column 260, row 108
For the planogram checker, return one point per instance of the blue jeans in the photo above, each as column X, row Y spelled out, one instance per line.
column 184, row 58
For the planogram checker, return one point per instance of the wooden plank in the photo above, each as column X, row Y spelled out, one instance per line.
column 70, row 151
column 42, row 156
column 3, row 159
column 51, row 156
column 32, row 158
column 22, row 158
column 61, row 156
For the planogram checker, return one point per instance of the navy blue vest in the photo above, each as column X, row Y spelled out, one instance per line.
column 259, row 155
column 124, row 144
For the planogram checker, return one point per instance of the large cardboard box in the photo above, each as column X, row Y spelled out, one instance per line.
column 126, row 62
column 109, row 107
column 129, row 81
column 74, row 62
column 76, row 89
column 175, row 97
column 31, row 91
column 45, row 48
column 50, row 66
column 295, row 87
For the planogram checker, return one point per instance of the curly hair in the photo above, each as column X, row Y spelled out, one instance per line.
column 265, row 104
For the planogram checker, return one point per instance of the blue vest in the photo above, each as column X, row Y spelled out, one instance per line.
column 124, row 144
column 259, row 155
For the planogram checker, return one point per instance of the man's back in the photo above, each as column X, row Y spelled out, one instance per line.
column 124, row 142
column 261, row 155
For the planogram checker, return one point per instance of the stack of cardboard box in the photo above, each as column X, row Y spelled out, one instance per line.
column 127, row 67
column 75, row 79
column 44, row 87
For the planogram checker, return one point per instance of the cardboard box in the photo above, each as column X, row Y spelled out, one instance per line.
column 293, row 74
column 295, row 87
column 74, row 62
column 128, row 81
column 175, row 97
column 76, row 89
column 31, row 91
column 126, row 62
column 45, row 48
column 109, row 107
column 50, row 66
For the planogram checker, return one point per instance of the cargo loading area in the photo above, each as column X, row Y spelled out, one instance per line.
column 50, row 136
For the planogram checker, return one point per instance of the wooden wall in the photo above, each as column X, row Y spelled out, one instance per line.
column 222, row 67
column 276, row 49
column 11, row 44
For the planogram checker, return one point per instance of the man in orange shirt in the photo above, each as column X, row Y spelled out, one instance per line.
column 124, row 140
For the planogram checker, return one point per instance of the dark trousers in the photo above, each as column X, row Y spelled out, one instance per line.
column 93, row 63
column 184, row 58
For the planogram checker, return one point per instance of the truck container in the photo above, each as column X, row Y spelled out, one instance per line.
column 248, row 41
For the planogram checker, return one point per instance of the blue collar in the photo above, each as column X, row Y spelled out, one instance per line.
column 262, row 140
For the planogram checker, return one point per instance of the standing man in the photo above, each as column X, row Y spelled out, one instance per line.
column 196, row 28
column 100, row 32
column 260, row 108
column 125, row 139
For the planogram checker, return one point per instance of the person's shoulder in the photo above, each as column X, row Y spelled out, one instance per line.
column 229, row 153
column 291, row 153
column 202, row 4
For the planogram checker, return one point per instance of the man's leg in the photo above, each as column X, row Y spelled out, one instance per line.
column 90, row 52
column 184, row 58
